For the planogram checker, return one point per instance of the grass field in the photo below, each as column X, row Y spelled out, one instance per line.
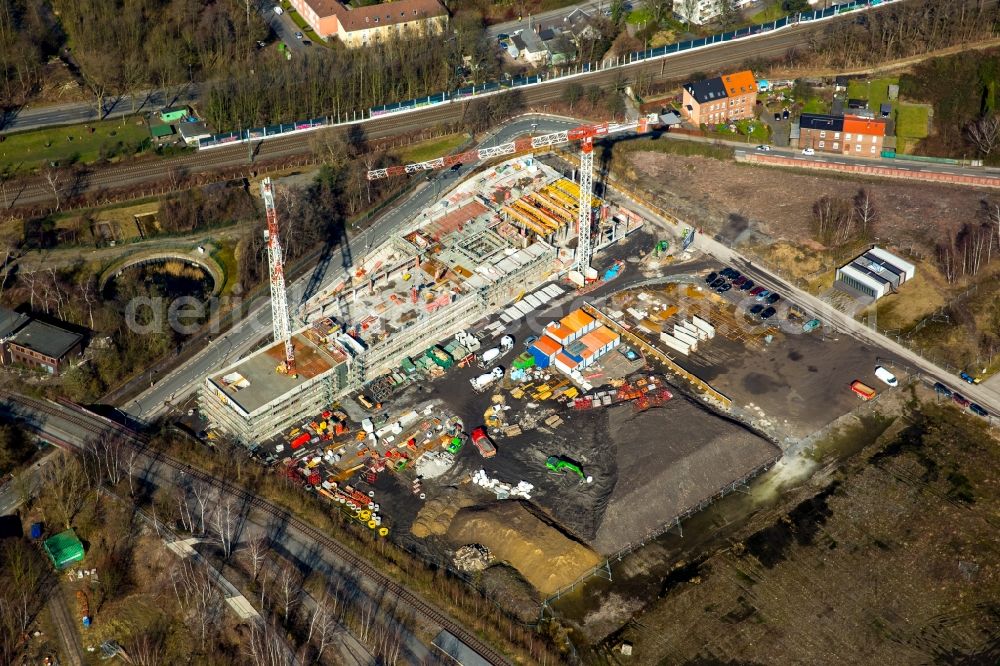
column 772, row 12
column 876, row 91
column 426, row 150
column 911, row 121
column 26, row 151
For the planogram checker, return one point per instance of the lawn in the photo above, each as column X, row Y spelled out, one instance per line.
column 640, row 17
column 301, row 23
column 25, row 151
column 427, row 150
column 911, row 121
column 772, row 12
column 815, row 105
column 876, row 91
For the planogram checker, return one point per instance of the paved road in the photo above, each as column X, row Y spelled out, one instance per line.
column 985, row 394
column 282, row 26
column 828, row 158
column 550, row 18
column 35, row 191
column 249, row 332
column 27, row 484
column 82, row 112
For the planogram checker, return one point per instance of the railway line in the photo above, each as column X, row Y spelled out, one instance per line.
column 36, row 191
column 94, row 425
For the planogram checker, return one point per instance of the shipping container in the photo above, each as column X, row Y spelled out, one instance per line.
column 863, row 391
column 299, row 441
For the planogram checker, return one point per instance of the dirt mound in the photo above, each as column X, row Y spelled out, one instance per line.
column 436, row 515
column 546, row 557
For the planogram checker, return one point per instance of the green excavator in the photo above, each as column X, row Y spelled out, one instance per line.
column 560, row 465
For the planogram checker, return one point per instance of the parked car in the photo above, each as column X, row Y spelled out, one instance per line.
column 728, row 272
column 767, row 313
column 306, row 42
column 785, row 114
column 966, row 377
column 886, row 376
column 723, row 288
column 298, row 35
column 503, row 37
column 961, row 400
column 756, row 309
column 773, row 298
column 740, row 281
column 278, row 10
column 811, row 325
column 756, row 291
column 747, row 286
column 978, row 411
column 762, row 295
column 777, row 117
column 530, row 340
column 717, row 282
column 710, row 278
column 808, row 151
column 764, row 149
column 942, row 390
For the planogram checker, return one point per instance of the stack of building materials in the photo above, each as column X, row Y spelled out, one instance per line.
column 704, row 326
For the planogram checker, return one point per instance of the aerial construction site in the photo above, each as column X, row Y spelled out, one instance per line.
column 506, row 379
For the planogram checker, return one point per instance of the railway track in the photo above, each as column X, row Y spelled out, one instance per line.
column 96, row 425
column 36, row 191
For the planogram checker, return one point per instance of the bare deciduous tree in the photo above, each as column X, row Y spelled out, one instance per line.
column 225, row 524
column 264, row 646
column 984, row 133
column 865, row 212
column 54, row 177
column 255, row 552
column 66, row 486
column 198, row 596
column 288, row 588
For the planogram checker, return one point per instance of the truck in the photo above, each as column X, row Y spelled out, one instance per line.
column 862, row 390
column 483, row 443
column 506, row 343
column 489, row 357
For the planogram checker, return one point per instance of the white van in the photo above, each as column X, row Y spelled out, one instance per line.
column 886, row 376
column 278, row 10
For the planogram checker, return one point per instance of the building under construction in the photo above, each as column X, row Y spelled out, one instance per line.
column 490, row 240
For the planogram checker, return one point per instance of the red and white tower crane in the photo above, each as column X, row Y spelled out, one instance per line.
column 585, row 134
column 279, row 298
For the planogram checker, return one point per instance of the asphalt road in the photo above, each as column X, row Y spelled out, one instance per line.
column 550, row 18
column 248, row 333
column 35, row 191
column 82, row 112
column 282, row 26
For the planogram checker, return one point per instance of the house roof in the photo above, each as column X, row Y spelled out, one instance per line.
column 868, row 126
column 577, row 22
column 11, row 321
column 706, row 90
column 161, row 130
column 173, row 109
column 373, row 16
column 532, row 43
column 739, row 83
column 605, row 335
column 193, row 130
column 818, row 121
column 46, row 339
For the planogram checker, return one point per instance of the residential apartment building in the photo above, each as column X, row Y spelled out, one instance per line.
column 844, row 135
column 700, row 12
column 720, row 100
column 359, row 26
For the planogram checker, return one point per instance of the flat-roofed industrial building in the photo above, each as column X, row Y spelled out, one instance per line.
column 876, row 272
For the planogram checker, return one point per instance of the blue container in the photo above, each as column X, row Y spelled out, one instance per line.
column 36, row 530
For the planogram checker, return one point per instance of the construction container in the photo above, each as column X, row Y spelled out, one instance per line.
column 863, row 391
column 675, row 344
column 703, row 325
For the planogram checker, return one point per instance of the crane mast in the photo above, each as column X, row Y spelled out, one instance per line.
column 279, row 298
column 585, row 134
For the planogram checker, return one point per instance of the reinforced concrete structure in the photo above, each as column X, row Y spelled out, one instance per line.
column 463, row 259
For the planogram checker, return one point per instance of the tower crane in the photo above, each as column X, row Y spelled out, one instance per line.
column 585, row 134
column 279, row 298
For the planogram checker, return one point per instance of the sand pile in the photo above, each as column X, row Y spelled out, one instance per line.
column 542, row 554
column 436, row 514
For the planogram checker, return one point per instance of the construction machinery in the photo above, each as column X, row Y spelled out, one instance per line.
column 561, row 465
column 661, row 248
column 585, row 134
column 279, row 298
